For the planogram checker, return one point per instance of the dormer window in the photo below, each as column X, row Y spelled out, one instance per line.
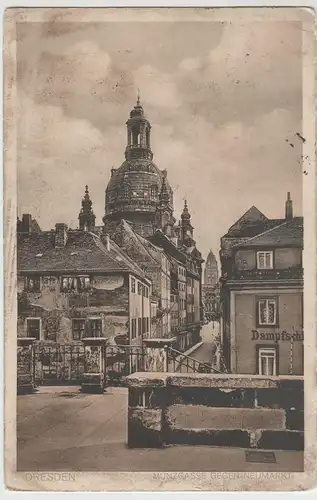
column 75, row 283
column 32, row 284
column 264, row 260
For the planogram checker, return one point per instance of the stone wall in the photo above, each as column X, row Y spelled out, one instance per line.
column 219, row 410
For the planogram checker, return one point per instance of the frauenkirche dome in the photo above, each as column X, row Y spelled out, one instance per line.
column 134, row 192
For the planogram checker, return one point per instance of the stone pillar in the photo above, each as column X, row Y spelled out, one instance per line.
column 147, row 395
column 25, row 365
column 156, row 359
column 93, row 379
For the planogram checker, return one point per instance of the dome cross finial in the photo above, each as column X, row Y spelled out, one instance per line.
column 138, row 99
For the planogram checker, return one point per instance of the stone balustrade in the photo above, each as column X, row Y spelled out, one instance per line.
column 249, row 411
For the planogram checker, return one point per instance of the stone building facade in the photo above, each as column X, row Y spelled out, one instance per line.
column 73, row 284
column 262, row 294
column 155, row 263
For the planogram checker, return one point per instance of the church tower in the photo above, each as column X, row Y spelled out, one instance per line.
column 164, row 217
column 86, row 215
column 211, row 270
column 138, row 134
column 187, row 230
column 138, row 191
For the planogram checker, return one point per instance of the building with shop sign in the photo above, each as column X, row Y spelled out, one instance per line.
column 262, row 294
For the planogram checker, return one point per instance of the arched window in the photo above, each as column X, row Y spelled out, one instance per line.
column 126, row 190
column 136, row 136
column 153, row 191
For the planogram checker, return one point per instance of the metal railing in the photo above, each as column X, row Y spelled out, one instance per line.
column 177, row 361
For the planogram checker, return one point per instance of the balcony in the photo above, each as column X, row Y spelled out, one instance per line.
column 291, row 273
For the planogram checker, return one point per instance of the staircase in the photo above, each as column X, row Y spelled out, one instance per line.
column 182, row 363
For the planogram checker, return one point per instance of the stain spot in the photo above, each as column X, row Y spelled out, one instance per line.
column 300, row 137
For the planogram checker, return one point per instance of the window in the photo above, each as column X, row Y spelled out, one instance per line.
column 267, row 361
column 32, row 284
column 95, row 327
column 153, row 191
column 49, row 280
column 146, row 291
column 267, row 314
column 33, row 328
column 145, row 325
column 78, row 328
column 133, row 328
column 139, row 288
column 126, row 190
column 264, row 260
column 75, row 283
column 133, row 285
column 83, row 283
column 139, row 326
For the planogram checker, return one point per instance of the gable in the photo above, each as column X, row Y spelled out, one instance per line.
column 137, row 248
column 252, row 217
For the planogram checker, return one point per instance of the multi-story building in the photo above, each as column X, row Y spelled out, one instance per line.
column 262, row 294
column 155, row 263
column 181, row 275
column 189, row 297
column 72, row 284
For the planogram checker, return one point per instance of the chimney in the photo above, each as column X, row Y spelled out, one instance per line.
column 60, row 235
column 26, row 223
column 288, row 207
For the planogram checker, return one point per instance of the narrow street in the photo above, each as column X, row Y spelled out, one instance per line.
column 206, row 352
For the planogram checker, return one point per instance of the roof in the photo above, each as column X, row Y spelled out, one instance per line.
column 84, row 251
column 252, row 223
column 139, row 248
column 169, row 246
column 288, row 233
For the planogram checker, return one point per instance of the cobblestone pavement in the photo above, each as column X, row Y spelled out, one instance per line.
column 60, row 429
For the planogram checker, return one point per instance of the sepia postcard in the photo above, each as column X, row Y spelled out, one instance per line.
column 160, row 249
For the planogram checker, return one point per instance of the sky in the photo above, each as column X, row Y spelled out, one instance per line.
column 224, row 100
